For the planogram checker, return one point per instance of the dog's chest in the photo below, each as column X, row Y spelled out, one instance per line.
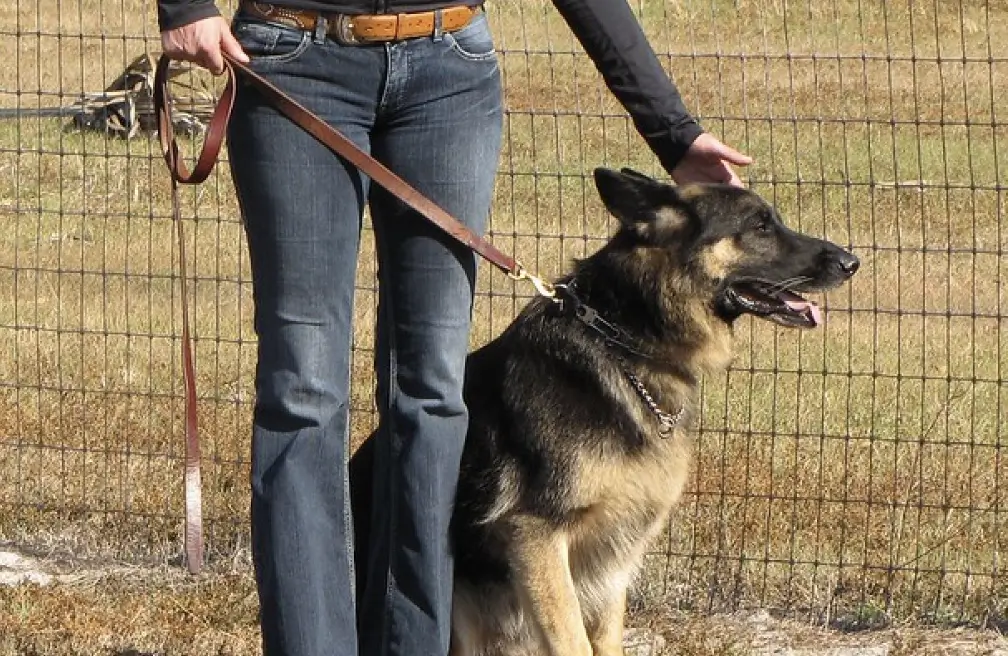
column 620, row 484
column 625, row 502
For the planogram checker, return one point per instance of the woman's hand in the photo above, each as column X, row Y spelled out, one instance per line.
column 709, row 160
column 202, row 42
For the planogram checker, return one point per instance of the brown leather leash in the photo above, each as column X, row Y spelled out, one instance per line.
column 181, row 174
column 343, row 147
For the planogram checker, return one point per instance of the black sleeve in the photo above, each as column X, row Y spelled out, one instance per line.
column 176, row 13
column 615, row 41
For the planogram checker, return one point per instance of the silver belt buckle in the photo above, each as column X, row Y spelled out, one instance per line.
column 344, row 31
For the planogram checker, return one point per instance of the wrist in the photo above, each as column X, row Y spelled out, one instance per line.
column 672, row 148
column 173, row 16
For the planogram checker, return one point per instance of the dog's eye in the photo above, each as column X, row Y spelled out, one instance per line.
column 763, row 226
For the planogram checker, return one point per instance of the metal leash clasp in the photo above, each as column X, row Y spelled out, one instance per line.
column 543, row 287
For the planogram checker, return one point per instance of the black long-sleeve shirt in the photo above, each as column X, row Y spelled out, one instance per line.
column 607, row 29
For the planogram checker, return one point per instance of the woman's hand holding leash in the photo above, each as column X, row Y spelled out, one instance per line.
column 203, row 42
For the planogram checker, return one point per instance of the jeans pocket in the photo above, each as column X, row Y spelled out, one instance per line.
column 474, row 41
column 269, row 42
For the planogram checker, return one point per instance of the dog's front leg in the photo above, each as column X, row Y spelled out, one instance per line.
column 543, row 577
column 606, row 634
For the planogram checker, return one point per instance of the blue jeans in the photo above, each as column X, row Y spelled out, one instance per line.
column 429, row 109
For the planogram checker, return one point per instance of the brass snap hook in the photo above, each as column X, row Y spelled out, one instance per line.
column 543, row 287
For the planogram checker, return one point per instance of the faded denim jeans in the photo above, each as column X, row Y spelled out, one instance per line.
column 429, row 109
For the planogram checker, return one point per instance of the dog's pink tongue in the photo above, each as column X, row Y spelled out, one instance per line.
column 808, row 309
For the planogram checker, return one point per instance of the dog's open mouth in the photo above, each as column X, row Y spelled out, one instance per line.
column 772, row 302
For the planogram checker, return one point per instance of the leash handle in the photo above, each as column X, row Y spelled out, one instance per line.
column 216, row 129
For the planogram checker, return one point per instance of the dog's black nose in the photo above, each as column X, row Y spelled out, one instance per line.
column 848, row 263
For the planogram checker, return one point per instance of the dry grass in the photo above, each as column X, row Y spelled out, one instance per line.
column 132, row 614
column 143, row 613
column 853, row 474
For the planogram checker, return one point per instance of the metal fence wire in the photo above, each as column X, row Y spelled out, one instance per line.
column 851, row 474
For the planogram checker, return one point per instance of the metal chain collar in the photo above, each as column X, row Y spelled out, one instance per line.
column 565, row 295
column 667, row 420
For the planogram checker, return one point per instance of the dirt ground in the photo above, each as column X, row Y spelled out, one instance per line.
column 54, row 606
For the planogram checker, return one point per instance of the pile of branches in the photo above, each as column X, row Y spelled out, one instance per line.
column 126, row 106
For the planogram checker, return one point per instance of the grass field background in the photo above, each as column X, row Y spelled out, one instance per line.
column 852, row 475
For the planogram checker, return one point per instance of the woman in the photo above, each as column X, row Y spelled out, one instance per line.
column 417, row 84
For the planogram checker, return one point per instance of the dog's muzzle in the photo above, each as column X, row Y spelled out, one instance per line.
column 766, row 301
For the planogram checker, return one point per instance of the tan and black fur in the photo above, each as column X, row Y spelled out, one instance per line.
column 567, row 476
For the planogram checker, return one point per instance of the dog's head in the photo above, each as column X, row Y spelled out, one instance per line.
column 731, row 244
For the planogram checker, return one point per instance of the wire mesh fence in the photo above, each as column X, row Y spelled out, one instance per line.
column 851, row 474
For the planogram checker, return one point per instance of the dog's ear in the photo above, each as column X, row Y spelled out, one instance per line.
column 637, row 175
column 641, row 203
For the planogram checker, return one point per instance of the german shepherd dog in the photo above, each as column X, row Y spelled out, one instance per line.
column 578, row 444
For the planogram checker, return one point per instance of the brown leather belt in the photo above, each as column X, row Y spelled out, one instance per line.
column 356, row 29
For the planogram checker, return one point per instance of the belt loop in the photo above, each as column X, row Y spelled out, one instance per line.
column 438, row 24
column 321, row 29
